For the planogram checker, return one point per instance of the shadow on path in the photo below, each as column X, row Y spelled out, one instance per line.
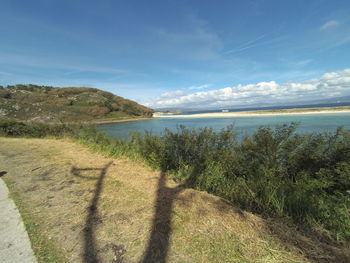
column 90, row 251
column 158, row 244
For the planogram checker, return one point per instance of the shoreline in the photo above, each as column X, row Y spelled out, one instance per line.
column 310, row 111
column 102, row 122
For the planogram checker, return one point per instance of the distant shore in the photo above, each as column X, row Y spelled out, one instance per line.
column 257, row 113
column 101, row 122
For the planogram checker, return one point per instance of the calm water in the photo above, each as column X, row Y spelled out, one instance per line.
column 244, row 125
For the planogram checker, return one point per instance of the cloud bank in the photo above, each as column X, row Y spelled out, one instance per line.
column 332, row 84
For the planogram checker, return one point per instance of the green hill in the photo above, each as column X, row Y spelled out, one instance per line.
column 51, row 104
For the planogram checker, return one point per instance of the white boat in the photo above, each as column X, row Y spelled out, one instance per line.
column 225, row 110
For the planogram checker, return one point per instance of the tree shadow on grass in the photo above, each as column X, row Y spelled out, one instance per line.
column 314, row 247
column 90, row 251
column 316, row 250
column 158, row 244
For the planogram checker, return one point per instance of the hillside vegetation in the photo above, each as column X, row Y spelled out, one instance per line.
column 49, row 104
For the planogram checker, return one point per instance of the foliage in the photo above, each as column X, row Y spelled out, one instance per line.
column 37, row 130
column 275, row 172
column 49, row 104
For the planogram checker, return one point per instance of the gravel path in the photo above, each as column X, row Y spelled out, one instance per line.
column 14, row 241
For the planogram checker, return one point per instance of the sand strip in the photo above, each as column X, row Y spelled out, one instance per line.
column 251, row 114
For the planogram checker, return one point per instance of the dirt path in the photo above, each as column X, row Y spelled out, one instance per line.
column 91, row 208
column 14, row 243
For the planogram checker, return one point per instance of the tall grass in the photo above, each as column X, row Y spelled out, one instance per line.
column 275, row 172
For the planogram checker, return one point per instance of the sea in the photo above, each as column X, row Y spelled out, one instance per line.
column 243, row 125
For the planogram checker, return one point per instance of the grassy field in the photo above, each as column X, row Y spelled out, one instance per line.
column 80, row 206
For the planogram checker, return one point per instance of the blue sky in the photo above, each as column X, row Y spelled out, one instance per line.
column 180, row 53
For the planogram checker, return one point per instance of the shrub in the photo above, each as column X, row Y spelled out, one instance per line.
column 37, row 130
column 276, row 172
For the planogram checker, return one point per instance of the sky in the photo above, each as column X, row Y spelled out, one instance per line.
column 176, row 54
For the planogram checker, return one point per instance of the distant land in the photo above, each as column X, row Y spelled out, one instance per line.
column 271, row 108
column 332, row 102
column 50, row 104
column 256, row 113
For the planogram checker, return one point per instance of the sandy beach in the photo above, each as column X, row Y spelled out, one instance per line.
column 101, row 122
column 261, row 113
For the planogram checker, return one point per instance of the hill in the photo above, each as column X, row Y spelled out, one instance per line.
column 51, row 104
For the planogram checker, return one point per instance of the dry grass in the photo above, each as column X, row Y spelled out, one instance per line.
column 98, row 209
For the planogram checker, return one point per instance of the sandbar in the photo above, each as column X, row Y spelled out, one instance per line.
column 260, row 113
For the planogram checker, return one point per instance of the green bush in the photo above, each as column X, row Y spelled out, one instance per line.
column 276, row 172
column 37, row 130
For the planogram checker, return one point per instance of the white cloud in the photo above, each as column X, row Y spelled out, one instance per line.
column 329, row 24
column 329, row 85
column 5, row 73
column 172, row 94
column 199, row 87
column 250, row 44
column 181, row 92
column 302, row 62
